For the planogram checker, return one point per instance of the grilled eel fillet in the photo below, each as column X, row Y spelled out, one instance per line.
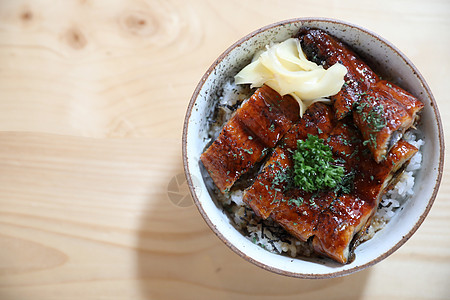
column 254, row 128
column 382, row 111
column 329, row 220
column 326, row 50
column 382, row 119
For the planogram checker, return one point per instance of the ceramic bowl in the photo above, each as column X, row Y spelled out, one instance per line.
column 381, row 55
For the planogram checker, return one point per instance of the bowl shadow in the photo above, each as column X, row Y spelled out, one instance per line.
column 179, row 257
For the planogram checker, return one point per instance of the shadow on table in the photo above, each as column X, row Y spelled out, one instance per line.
column 179, row 257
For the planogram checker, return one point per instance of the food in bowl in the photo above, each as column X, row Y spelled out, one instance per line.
column 307, row 177
column 216, row 97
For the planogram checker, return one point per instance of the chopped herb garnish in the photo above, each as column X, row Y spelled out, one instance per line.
column 312, row 203
column 272, row 128
column 314, row 166
column 249, row 151
column 361, row 94
column 282, row 179
column 346, row 184
column 354, row 153
column 375, row 119
column 297, row 202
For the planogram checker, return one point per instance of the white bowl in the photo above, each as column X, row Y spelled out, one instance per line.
column 383, row 56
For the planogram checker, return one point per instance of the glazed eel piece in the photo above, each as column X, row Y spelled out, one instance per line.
column 329, row 220
column 324, row 49
column 349, row 215
column 255, row 128
column 382, row 110
column 383, row 115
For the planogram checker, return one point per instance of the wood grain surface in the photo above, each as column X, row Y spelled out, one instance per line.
column 93, row 203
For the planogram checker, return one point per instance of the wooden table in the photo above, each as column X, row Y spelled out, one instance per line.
column 92, row 101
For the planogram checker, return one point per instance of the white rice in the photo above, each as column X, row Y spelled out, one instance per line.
column 270, row 235
column 403, row 189
column 232, row 95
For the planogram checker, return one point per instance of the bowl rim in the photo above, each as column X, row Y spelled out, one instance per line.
column 276, row 270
